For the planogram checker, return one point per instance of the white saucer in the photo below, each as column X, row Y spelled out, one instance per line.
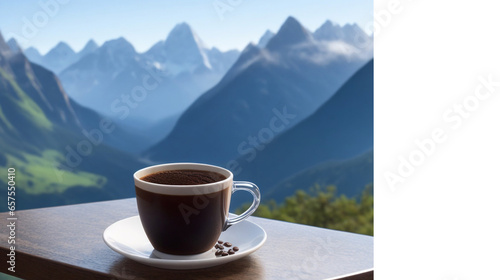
column 127, row 237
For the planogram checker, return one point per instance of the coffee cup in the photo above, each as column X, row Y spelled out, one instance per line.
column 184, row 207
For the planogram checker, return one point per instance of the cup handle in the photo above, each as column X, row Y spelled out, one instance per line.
column 254, row 190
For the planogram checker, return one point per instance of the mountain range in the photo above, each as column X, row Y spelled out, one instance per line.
column 350, row 177
column 267, row 91
column 290, row 112
column 56, row 146
column 59, row 57
column 185, row 68
column 137, row 90
column 350, row 33
column 338, row 136
column 146, row 93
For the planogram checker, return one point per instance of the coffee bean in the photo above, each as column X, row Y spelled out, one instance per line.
column 220, row 248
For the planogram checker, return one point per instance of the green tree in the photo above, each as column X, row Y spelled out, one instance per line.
column 323, row 208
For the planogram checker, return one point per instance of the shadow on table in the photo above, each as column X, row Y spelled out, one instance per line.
column 249, row 267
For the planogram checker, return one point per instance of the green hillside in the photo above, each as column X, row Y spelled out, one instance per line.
column 38, row 174
column 38, row 129
column 25, row 104
column 35, row 165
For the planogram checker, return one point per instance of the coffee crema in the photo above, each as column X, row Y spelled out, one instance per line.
column 184, row 177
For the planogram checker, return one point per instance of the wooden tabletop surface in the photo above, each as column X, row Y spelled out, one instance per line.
column 66, row 243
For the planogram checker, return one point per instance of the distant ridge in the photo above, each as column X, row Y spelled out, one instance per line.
column 341, row 129
column 292, row 76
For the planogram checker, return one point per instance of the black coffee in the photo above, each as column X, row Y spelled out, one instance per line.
column 183, row 224
column 184, row 177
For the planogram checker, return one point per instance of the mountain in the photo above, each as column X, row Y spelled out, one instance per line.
column 44, row 90
column 182, row 51
column 41, row 136
column 221, row 61
column 349, row 176
column 101, row 79
column 13, row 45
column 59, row 57
column 341, row 129
column 180, row 69
column 266, row 92
column 117, row 82
column 349, row 33
column 291, row 34
column 354, row 35
column 4, row 48
column 146, row 92
column 33, row 55
column 47, row 92
column 91, row 76
column 265, row 39
column 88, row 48
column 329, row 31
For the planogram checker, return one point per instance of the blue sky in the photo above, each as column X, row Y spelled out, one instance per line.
column 43, row 23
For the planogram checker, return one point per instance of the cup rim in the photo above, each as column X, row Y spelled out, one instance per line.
column 186, row 164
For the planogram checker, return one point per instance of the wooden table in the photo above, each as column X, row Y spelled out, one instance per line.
column 66, row 243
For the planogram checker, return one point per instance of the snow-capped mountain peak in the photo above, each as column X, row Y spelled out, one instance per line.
column 182, row 51
column 184, row 33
